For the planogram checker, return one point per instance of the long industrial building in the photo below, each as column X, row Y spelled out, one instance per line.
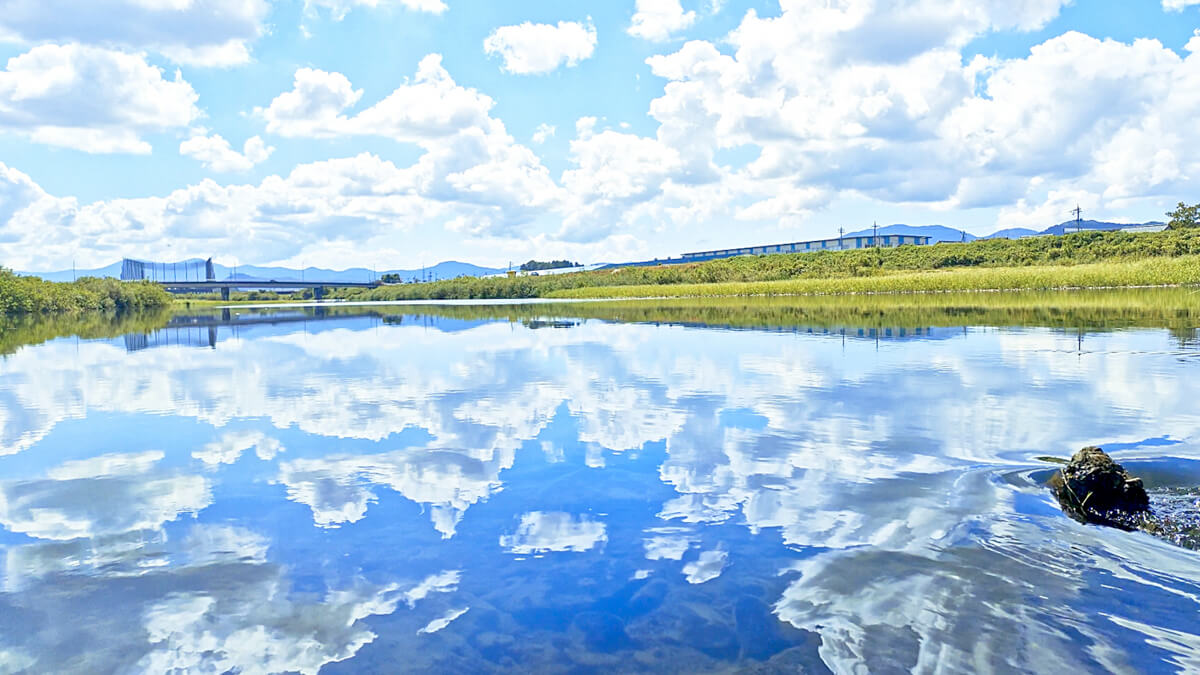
column 835, row 244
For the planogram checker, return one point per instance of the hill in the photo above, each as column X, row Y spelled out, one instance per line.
column 1070, row 225
column 1012, row 233
column 936, row 233
column 444, row 270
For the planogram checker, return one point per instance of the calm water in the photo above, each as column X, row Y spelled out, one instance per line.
column 469, row 490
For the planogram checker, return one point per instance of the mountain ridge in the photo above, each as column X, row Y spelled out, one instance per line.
column 447, row 269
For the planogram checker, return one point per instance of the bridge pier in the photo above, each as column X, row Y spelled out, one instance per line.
column 319, row 293
column 225, row 293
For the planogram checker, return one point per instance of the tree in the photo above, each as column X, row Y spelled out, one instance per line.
column 534, row 265
column 1185, row 216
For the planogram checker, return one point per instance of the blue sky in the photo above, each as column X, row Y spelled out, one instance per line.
column 389, row 133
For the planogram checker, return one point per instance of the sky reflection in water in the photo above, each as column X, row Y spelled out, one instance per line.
column 423, row 492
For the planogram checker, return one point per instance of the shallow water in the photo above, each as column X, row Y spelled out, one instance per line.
column 581, row 489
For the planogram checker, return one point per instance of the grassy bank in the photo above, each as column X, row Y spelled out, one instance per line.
column 1153, row 272
column 1083, row 311
column 1176, row 309
column 30, row 295
column 1053, row 254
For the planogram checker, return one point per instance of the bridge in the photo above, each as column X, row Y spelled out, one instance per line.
column 199, row 276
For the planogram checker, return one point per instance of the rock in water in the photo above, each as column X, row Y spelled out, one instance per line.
column 1092, row 488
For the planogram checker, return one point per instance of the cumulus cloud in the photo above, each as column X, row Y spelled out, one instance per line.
column 215, row 153
column 896, row 115
column 543, row 132
column 531, row 48
column 472, row 175
column 885, row 109
column 659, row 20
column 430, row 107
column 91, row 99
column 1178, row 5
column 314, row 105
column 196, row 32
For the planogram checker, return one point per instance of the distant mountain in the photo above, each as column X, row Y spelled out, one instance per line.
column 447, row 270
column 936, row 233
column 444, row 270
column 1070, row 225
column 1012, row 233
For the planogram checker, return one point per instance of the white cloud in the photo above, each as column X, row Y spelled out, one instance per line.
column 430, row 107
column 659, row 20
column 543, row 532
column 614, row 173
column 216, row 154
column 338, row 9
column 91, row 99
column 540, row 47
column 232, row 444
column 442, row 621
column 340, row 489
column 896, row 115
column 443, row 582
column 1178, row 5
column 543, row 132
column 106, row 465
column 196, row 32
column 314, row 105
column 666, row 547
column 128, row 493
column 707, row 567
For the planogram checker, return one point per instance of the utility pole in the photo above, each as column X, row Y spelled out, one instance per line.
column 875, row 233
column 1078, row 218
column 841, row 235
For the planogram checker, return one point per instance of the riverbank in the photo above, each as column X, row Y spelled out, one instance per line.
column 1142, row 273
column 22, row 295
column 1085, row 259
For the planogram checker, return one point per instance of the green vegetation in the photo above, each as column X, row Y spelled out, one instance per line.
column 535, row 265
column 1154, row 272
column 32, row 329
column 1177, row 309
column 1085, row 311
column 1103, row 259
column 31, row 295
column 1184, row 217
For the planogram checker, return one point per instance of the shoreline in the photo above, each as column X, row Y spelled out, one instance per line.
column 1148, row 273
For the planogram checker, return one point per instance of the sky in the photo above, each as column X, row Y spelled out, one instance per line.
column 397, row 133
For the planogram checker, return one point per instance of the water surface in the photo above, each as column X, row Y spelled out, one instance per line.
column 775, row 485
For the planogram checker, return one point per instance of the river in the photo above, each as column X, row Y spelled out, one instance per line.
column 773, row 485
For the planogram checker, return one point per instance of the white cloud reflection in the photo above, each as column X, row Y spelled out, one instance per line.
column 880, row 456
column 544, row 532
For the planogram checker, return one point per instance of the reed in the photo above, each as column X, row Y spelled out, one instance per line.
column 1150, row 272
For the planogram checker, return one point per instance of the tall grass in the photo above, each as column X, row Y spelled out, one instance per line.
column 1152, row 272
column 1083, row 248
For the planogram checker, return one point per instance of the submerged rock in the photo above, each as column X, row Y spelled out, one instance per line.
column 1092, row 488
